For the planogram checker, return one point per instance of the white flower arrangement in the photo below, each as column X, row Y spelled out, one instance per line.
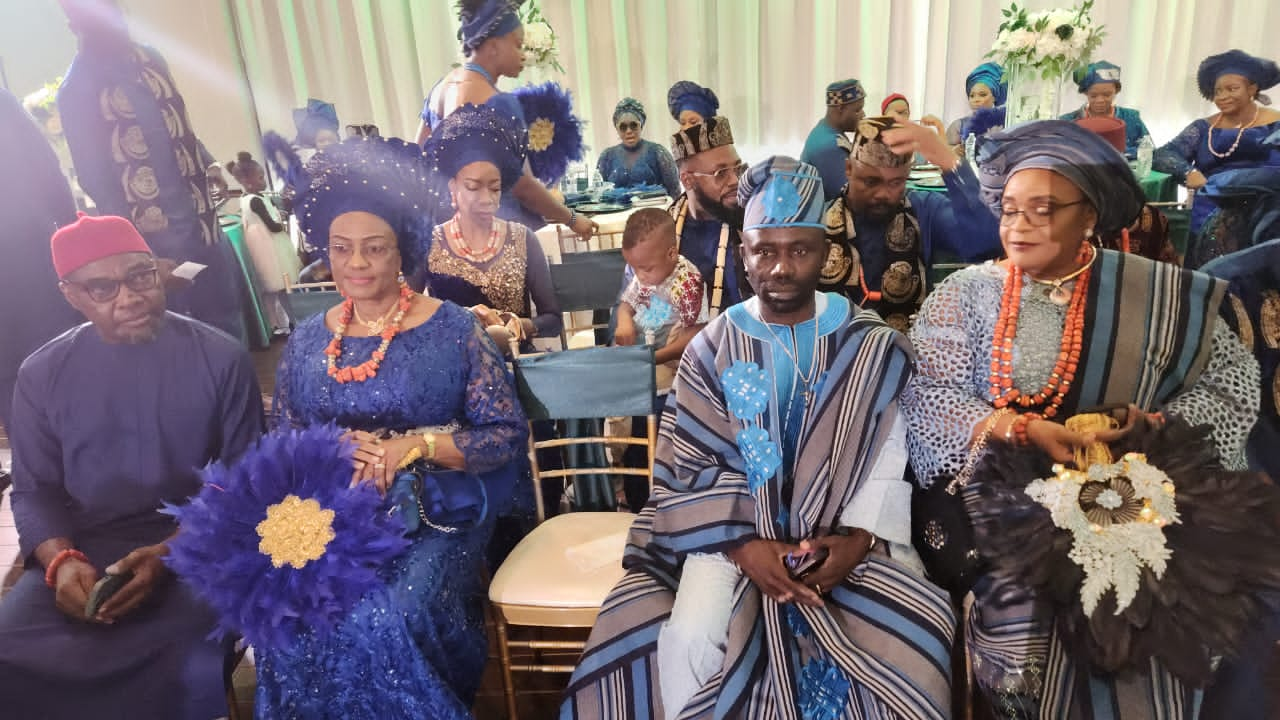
column 1116, row 515
column 539, row 39
column 1050, row 42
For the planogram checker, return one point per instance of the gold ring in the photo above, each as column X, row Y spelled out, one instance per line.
column 379, row 465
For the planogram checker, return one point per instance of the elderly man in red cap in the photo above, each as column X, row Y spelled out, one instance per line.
column 112, row 419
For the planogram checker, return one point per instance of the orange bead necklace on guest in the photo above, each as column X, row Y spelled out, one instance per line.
column 1055, row 388
column 368, row 368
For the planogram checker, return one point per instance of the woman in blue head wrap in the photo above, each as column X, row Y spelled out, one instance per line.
column 635, row 161
column 408, row 376
column 1006, row 351
column 1100, row 83
column 690, row 103
column 492, row 39
column 986, row 89
column 1231, row 139
column 476, row 259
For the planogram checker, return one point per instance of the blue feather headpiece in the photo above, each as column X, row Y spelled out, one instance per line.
column 555, row 133
column 279, row 544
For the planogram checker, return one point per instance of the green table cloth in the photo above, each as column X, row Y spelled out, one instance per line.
column 255, row 321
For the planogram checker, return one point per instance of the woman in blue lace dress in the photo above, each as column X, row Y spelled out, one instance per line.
column 635, row 161
column 1231, row 139
column 493, row 43
column 409, row 376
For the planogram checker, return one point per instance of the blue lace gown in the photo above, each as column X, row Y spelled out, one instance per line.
column 416, row 647
column 1190, row 151
column 648, row 164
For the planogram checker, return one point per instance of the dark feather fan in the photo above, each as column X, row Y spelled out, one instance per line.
column 1223, row 556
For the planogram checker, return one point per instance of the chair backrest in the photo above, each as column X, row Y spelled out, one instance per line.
column 596, row 382
column 587, row 281
column 302, row 300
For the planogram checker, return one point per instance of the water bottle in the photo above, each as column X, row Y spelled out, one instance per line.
column 970, row 147
column 1146, row 150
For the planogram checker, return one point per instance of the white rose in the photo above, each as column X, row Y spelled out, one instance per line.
column 1050, row 45
column 1022, row 39
column 538, row 36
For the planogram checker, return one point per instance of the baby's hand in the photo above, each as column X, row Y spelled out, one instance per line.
column 625, row 333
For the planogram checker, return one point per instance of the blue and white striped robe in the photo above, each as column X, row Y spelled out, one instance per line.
column 887, row 631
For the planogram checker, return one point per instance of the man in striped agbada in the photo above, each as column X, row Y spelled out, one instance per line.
column 781, row 437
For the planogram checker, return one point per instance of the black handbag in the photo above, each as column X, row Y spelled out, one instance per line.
column 943, row 536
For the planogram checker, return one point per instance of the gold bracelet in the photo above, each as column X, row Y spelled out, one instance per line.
column 414, row 454
column 431, row 445
column 963, row 477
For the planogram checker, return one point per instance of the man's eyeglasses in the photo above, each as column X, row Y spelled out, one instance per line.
column 106, row 289
column 723, row 173
column 1038, row 216
column 629, row 126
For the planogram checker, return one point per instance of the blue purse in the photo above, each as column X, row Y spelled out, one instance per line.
column 443, row 500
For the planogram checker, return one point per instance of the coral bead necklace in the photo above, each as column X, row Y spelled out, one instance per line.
column 368, row 368
column 1050, row 396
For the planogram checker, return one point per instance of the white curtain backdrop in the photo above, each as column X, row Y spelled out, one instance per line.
column 768, row 60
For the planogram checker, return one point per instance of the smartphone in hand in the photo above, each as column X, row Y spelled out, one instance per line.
column 102, row 591
column 803, row 562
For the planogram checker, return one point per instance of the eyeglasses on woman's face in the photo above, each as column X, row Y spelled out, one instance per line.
column 628, row 126
column 1038, row 215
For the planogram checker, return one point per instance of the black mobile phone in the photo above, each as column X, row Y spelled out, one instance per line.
column 102, row 591
column 804, row 562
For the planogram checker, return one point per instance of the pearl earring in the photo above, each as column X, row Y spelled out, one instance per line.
column 1088, row 233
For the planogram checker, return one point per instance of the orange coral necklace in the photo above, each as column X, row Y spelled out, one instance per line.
column 1049, row 396
column 368, row 368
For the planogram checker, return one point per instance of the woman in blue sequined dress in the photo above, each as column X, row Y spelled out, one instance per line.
column 414, row 647
column 635, row 161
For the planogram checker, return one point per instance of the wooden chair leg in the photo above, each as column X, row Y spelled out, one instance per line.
column 504, row 656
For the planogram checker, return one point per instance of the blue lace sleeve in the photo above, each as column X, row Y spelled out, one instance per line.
column 283, row 416
column 496, row 430
column 604, row 164
column 1177, row 157
column 667, row 170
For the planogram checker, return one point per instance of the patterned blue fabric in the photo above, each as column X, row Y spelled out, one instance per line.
column 1078, row 154
column 1190, row 151
column 1097, row 72
column 414, row 648
column 688, row 95
column 479, row 133
column 1134, row 128
column 356, row 175
column 781, row 192
column 1260, row 71
column 648, row 164
column 843, row 92
column 629, row 106
column 509, row 208
column 989, row 74
column 479, row 21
